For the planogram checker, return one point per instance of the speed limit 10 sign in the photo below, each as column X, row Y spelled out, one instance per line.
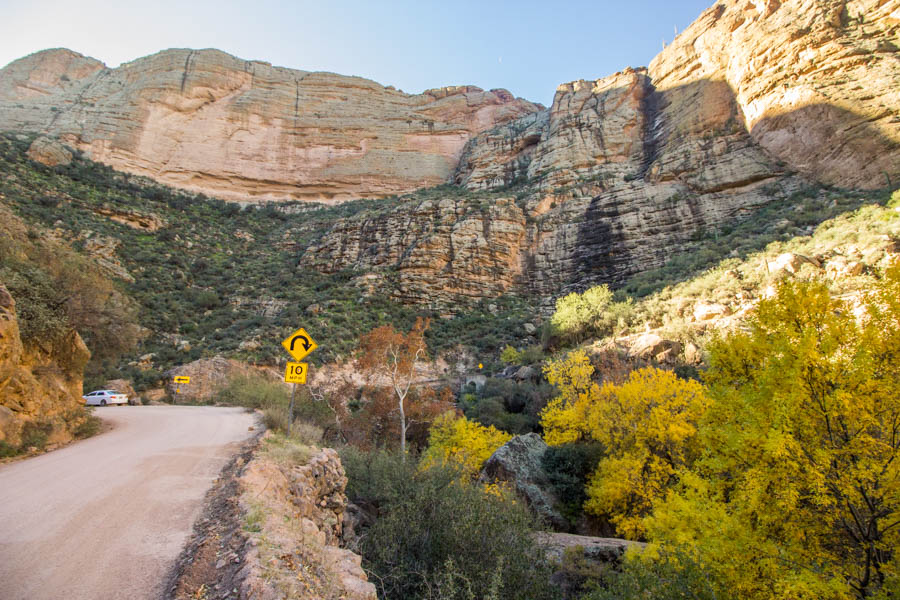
column 295, row 372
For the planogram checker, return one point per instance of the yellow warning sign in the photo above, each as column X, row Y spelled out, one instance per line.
column 299, row 344
column 296, row 372
column 182, row 379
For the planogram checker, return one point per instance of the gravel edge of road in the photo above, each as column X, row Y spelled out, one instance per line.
column 210, row 564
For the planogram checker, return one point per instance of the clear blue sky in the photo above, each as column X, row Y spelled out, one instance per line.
column 527, row 47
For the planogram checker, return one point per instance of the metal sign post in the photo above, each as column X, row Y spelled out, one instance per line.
column 299, row 344
column 291, row 409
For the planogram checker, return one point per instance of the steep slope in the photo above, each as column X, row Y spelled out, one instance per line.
column 209, row 122
column 753, row 103
column 211, row 278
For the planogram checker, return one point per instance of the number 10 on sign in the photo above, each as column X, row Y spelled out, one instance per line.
column 296, row 372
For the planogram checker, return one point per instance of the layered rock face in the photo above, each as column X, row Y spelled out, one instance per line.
column 40, row 384
column 296, row 545
column 442, row 251
column 814, row 83
column 817, row 81
column 244, row 130
column 749, row 104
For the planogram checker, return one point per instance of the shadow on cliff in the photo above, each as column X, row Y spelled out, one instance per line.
column 815, row 148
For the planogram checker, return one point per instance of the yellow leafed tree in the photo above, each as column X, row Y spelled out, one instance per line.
column 799, row 493
column 648, row 426
column 455, row 439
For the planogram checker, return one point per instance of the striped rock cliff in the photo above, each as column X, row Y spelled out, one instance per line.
column 206, row 121
column 750, row 103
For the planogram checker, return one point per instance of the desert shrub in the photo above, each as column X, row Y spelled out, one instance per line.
column 306, row 432
column 568, row 467
column 510, row 356
column 89, row 426
column 527, row 356
column 36, row 434
column 7, row 450
column 256, row 391
column 428, row 517
column 288, row 451
column 665, row 577
column 591, row 313
column 276, row 419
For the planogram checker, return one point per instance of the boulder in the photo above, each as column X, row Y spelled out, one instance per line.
column 790, row 263
column 650, row 345
column 704, row 311
column 49, row 151
column 208, row 377
column 840, row 267
column 527, row 374
column 518, row 462
column 599, row 549
column 692, row 354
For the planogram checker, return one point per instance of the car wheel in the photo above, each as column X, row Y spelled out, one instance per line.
column 103, row 403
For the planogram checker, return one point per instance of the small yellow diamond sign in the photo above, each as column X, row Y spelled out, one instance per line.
column 296, row 372
column 182, row 379
column 299, row 344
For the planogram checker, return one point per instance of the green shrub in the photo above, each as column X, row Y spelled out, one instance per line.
column 6, row 450
column 276, row 419
column 589, row 314
column 428, row 517
column 508, row 405
column 669, row 577
column 510, row 356
column 89, row 427
column 307, row 433
column 256, row 391
column 568, row 467
column 35, row 434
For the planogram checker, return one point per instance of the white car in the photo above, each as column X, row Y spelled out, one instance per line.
column 104, row 397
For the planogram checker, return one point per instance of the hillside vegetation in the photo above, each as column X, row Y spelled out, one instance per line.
column 206, row 277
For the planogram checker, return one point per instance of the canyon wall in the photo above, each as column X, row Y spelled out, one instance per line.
column 753, row 102
column 756, row 100
column 206, row 121
column 40, row 384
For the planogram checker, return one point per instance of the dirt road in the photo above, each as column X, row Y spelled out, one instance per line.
column 106, row 517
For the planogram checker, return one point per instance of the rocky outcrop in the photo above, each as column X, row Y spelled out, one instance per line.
column 753, row 101
column 207, row 378
column 40, row 384
column 748, row 90
column 123, row 386
column 50, row 152
column 518, row 462
column 816, row 81
column 209, row 122
column 295, row 512
column 597, row 549
column 440, row 251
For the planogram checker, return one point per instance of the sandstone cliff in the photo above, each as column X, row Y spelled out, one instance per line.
column 40, row 384
column 244, row 130
column 750, row 104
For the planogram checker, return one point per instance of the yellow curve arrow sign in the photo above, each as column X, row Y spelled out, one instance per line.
column 299, row 344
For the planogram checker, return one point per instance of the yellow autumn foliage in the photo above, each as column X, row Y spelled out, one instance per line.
column 798, row 493
column 648, row 426
column 467, row 444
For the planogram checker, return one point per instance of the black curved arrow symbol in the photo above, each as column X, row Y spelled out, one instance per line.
column 306, row 344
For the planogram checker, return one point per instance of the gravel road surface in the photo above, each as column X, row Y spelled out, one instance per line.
column 105, row 518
